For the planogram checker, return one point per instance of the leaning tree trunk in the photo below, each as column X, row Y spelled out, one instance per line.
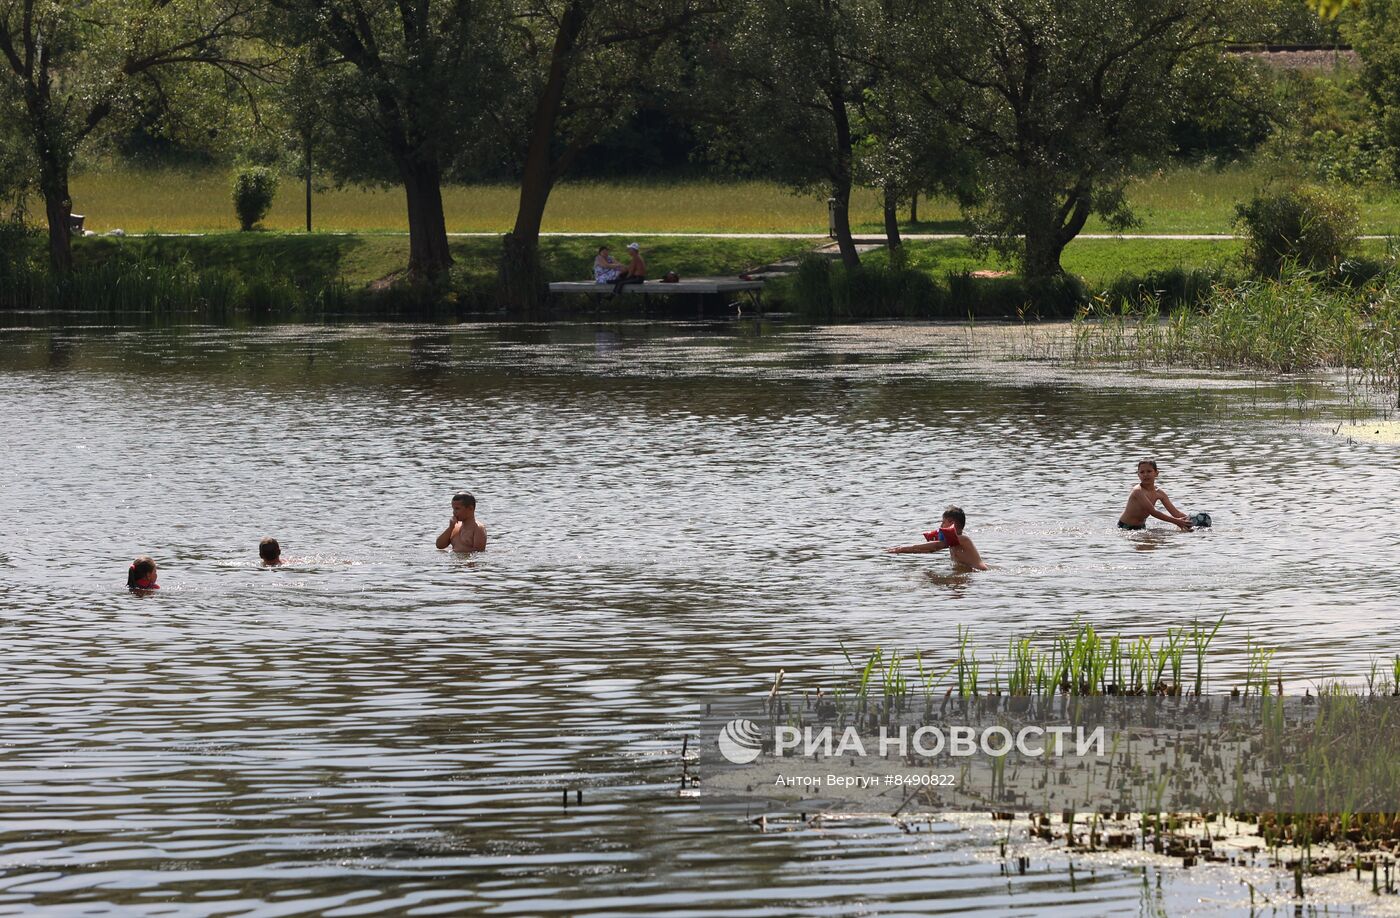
column 520, row 283
column 841, row 214
column 58, row 207
column 428, row 256
column 842, row 177
column 892, row 240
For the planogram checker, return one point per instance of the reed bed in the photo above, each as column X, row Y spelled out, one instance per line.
column 1301, row 322
column 1333, row 773
column 1079, row 662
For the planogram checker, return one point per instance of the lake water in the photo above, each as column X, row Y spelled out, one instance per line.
column 676, row 511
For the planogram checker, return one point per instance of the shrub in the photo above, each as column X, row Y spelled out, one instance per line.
column 1305, row 226
column 1167, row 288
column 812, row 290
column 253, row 191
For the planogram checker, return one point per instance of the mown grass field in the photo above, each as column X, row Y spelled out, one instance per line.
column 1183, row 200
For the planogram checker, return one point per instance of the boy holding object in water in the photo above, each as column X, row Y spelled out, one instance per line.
column 950, row 536
column 463, row 532
column 1142, row 502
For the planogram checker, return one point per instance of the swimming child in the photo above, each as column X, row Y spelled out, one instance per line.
column 270, row 552
column 1142, row 502
column 463, row 532
column 949, row 535
column 142, row 575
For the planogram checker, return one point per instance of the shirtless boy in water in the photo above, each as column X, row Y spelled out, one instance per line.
column 1142, row 502
column 959, row 546
column 463, row 532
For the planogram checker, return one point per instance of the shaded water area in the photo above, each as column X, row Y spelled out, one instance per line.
column 676, row 511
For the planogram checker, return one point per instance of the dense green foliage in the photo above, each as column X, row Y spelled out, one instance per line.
column 1061, row 101
column 1032, row 120
column 254, row 189
column 1304, row 226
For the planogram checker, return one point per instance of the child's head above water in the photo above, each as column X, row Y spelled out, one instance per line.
column 1147, row 470
column 955, row 517
column 142, row 574
column 270, row 551
column 463, row 504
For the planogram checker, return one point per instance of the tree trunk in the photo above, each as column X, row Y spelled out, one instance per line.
column 1041, row 227
column 520, row 282
column 892, row 240
column 58, row 207
column 841, row 179
column 844, row 240
column 1049, row 229
column 1042, row 256
column 914, row 207
column 428, row 256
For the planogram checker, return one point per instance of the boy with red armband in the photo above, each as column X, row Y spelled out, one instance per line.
column 949, row 535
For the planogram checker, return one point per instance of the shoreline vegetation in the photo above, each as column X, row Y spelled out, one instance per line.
column 1323, row 760
column 1200, row 302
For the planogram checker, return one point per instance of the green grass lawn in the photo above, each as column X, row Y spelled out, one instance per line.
column 1181, row 200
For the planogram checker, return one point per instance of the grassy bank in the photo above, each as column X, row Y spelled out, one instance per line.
column 359, row 260
column 290, row 274
column 297, row 269
column 1179, row 200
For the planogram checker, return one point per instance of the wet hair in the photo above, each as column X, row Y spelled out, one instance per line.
column 465, row 498
column 269, row 550
column 140, row 569
column 957, row 516
column 1151, row 462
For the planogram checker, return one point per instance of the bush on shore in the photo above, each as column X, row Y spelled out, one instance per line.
column 1307, row 227
column 254, row 189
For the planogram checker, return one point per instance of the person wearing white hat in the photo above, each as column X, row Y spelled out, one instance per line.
column 636, row 270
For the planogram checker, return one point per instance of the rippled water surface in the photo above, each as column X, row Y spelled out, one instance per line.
column 676, row 510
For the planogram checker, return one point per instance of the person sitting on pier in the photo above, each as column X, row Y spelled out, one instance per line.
column 1142, row 502
column 949, row 535
column 606, row 269
column 635, row 272
column 463, row 533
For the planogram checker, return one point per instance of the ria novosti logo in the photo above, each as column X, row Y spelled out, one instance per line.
column 740, row 741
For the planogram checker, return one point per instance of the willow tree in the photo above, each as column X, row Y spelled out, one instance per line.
column 579, row 68
column 409, row 85
column 1061, row 100
column 68, row 66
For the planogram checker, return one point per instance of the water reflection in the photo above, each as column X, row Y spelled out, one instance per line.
column 676, row 509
